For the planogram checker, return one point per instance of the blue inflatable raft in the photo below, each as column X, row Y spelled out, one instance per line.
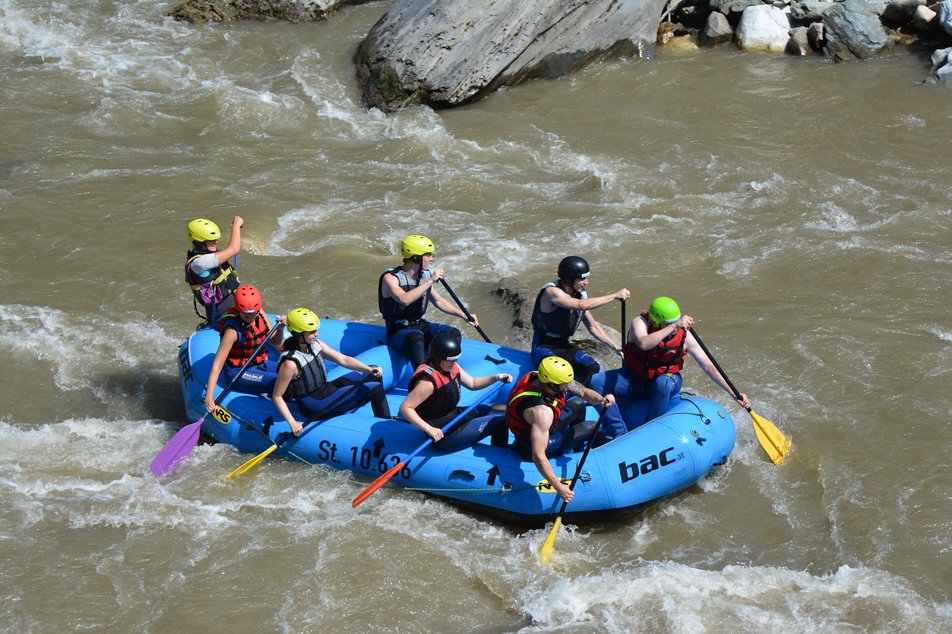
column 619, row 478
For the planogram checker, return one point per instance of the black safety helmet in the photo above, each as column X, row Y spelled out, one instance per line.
column 444, row 347
column 573, row 268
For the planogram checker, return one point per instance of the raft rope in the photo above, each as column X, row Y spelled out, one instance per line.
column 506, row 488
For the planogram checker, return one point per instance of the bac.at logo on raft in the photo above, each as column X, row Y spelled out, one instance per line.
column 630, row 471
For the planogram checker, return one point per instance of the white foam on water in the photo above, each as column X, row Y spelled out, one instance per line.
column 132, row 49
column 673, row 597
column 73, row 344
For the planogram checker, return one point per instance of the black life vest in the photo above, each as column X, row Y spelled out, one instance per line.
column 561, row 323
column 394, row 313
column 214, row 285
column 665, row 358
column 311, row 379
column 446, row 392
column 525, row 395
column 250, row 336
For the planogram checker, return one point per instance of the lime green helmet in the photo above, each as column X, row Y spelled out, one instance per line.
column 415, row 245
column 555, row 371
column 663, row 310
column 302, row 320
column 203, row 230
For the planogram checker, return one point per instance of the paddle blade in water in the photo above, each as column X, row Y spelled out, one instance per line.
column 253, row 462
column 177, row 449
column 771, row 439
column 376, row 484
column 550, row 540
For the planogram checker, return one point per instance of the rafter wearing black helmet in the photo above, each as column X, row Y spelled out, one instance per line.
column 434, row 395
column 560, row 307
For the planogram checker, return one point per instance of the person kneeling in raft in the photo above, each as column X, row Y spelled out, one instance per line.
column 302, row 375
column 242, row 330
column 435, row 393
column 544, row 423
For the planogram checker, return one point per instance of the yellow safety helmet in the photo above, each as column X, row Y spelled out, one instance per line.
column 555, row 371
column 302, row 320
column 203, row 230
column 415, row 245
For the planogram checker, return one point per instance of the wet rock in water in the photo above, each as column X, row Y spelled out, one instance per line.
column 289, row 10
column 809, row 10
column 816, row 34
column 763, row 28
column 941, row 67
column 447, row 54
column 732, row 8
column 924, row 20
column 900, row 12
column 717, row 30
column 853, row 31
column 944, row 16
column 799, row 42
column 517, row 297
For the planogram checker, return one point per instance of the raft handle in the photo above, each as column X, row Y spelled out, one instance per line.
column 461, row 474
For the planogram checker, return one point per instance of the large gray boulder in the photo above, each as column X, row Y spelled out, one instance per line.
column 224, row 10
column 448, row 53
column 853, row 30
column 945, row 16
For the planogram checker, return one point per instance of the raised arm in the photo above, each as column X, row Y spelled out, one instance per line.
column 234, row 242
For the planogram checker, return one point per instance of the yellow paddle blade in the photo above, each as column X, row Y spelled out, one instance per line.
column 253, row 462
column 771, row 439
column 550, row 540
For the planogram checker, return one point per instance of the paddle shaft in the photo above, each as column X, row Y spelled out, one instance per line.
column 347, row 391
column 379, row 482
column 624, row 322
column 714, row 362
column 459, row 303
column 588, row 446
column 182, row 443
column 247, row 365
column 549, row 543
column 286, row 436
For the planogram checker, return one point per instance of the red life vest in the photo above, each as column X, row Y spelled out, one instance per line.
column 523, row 396
column 446, row 390
column 665, row 358
column 250, row 336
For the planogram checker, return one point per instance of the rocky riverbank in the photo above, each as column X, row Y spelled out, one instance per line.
column 445, row 54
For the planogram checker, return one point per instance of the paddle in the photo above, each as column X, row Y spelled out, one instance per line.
column 549, row 543
column 463, row 308
column 182, row 443
column 286, row 436
column 379, row 482
column 771, row 439
column 624, row 325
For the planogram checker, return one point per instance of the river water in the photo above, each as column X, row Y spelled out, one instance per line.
column 800, row 210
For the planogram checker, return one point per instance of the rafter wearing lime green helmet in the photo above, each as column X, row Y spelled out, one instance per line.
column 203, row 230
column 302, row 320
column 208, row 270
column 663, row 311
column 405, row 292
column 415, row 246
